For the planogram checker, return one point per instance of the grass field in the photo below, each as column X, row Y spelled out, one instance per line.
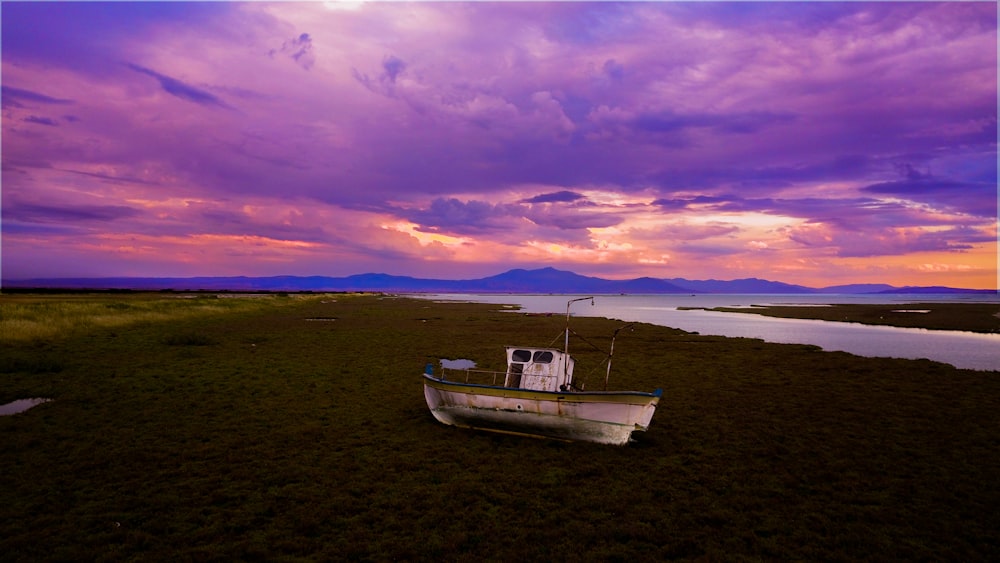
column 294, row 429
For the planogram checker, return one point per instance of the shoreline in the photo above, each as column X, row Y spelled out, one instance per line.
column 900, row 335
column 967, row 317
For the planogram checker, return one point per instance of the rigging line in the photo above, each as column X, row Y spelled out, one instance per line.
column 558, row 336
column 594, row 346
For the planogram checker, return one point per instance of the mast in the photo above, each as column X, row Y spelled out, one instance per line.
column 566, row 344
column 612, row 352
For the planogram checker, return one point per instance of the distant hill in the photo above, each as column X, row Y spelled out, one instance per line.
column 857, row 288
column 551, row 280
column 543, row 280
column 935, row 289
column 747, row 285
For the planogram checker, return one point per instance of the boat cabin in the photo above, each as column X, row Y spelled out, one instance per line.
column 539, row 369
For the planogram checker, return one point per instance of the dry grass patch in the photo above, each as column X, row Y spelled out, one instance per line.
column 28, row 317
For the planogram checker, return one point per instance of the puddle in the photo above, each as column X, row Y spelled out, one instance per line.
column 458, row 364
column 20, row 405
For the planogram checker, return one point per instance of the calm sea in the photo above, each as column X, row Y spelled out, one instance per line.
column 961, row 349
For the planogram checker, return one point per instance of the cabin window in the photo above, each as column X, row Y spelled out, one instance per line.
column 521, row 356
column 543, row 357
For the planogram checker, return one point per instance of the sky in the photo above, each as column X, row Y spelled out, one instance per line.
column 815, row 143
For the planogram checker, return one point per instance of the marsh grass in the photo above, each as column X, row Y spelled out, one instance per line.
column 189, row 339
column 285, row 439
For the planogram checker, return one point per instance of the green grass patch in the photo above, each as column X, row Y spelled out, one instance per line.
column 291, row 439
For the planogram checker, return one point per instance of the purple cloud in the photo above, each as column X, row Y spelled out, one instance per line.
column 464, row 217
column 114, row 179
column 299, row 49
column 180, row 89
column 452, row 216
column 41, row 213
column 977, row 199
column 564, row 196
column 669, row 122
column 676, row 204
column 41, row 120
column 17, row 96
column 886, row 242
column 573, row 218
column 614, row 136
column 393, row 66
column 613, row 69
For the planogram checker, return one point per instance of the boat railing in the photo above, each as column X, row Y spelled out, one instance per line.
column 479, row 376
column 482, row 377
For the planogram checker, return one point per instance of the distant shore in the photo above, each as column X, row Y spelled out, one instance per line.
column 971, row 317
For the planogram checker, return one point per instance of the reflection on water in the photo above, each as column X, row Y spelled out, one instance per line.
column 966, row 350
column 20, row 405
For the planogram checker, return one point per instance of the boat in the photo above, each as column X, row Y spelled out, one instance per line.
column 537, row 396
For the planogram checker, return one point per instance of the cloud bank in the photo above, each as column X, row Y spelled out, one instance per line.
column 816, row 143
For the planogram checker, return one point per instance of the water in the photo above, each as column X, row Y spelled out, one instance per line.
column 20, row 405
column 966, row 350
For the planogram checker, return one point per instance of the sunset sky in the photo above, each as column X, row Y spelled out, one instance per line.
column 812, row 143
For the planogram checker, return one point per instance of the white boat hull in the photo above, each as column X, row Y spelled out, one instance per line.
column 604, row 417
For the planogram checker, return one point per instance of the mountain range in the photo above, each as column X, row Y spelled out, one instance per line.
column 543, row 280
